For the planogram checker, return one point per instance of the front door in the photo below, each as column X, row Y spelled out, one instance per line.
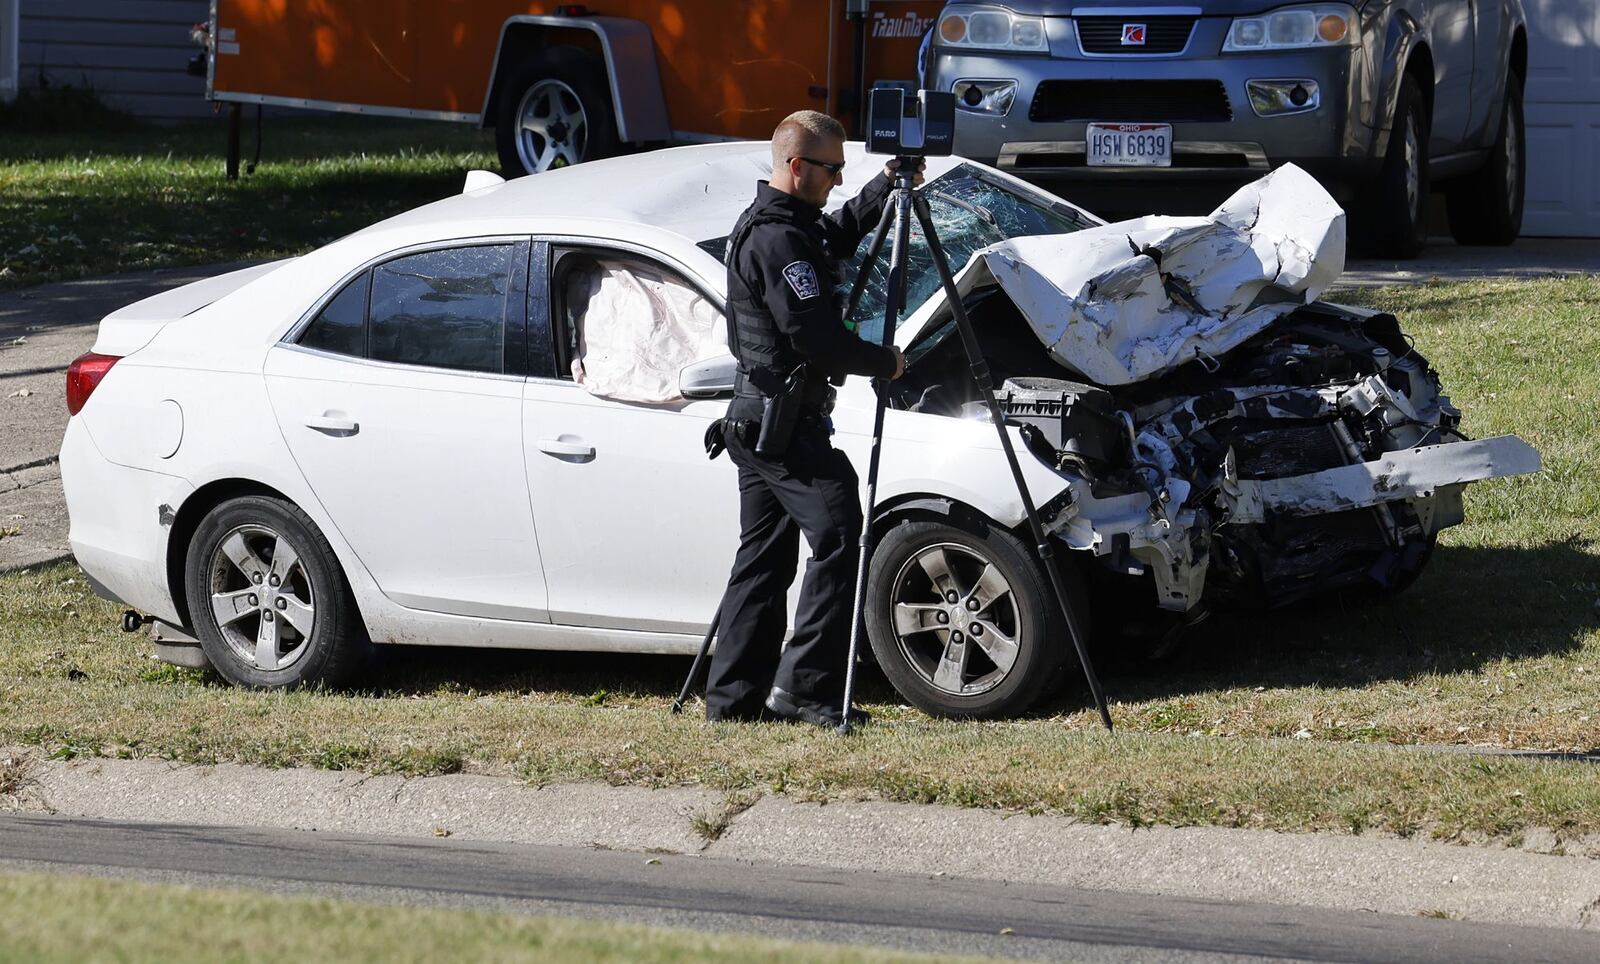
column 637, row 527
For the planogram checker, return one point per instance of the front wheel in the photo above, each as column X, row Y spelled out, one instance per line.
column 962, row 620
column 268, row 598
column 1394, row 218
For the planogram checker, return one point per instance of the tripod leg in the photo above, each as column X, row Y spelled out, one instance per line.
column 871, row 259
column 980, row 375
column 897, row 285
column 699, row 661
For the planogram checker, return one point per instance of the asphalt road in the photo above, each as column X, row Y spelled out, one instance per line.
column 949, row 915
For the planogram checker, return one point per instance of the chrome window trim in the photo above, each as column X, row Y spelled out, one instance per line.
column 399, row 366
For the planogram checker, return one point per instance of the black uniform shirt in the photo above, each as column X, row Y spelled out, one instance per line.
column 791, row 263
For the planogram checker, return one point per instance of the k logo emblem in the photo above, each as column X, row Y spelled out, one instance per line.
column 803, row 279
column 1133, row 34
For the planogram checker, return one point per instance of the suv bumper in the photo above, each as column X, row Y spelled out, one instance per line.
column 1042, row 136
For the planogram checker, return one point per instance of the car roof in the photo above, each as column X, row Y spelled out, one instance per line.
column 694, row 192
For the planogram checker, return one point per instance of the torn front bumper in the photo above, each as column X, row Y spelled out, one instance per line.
column 1413, row 474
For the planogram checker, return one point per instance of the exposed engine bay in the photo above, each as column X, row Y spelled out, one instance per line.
column 1312, row 451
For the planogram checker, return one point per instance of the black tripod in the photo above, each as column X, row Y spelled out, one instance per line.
column 905, row 201
column 898, row 211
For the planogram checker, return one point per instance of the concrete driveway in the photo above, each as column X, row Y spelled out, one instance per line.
column 43, row 328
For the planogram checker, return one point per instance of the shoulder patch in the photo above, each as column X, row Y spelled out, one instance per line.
column 803, row 279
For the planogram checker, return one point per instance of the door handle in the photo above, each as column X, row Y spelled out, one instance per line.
column 566, row 448
column 333, row 424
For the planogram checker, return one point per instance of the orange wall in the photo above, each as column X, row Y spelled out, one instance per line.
column 728, row 67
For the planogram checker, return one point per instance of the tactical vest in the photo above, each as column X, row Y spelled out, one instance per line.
column 763, row 353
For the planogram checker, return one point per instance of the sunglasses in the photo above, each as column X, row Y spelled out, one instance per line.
column 832, row 169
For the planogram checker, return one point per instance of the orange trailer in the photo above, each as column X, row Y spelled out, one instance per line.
column 564, row 83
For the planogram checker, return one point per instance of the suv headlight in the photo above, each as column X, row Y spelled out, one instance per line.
column 1295, row 28
column 990, row 28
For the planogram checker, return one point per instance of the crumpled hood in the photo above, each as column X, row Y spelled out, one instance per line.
column 1128, row 301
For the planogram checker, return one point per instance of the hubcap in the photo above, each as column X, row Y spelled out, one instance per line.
column 261, row 598
column 955, row 619
column 552, row 129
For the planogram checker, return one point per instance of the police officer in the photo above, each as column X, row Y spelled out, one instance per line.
column 787, row 331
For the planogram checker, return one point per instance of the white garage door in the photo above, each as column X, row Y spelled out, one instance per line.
column 1563, row 108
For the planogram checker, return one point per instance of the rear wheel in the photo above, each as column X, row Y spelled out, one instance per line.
column 962, row 621
column 1486, row 207
column 268, row 599
column 554, row 111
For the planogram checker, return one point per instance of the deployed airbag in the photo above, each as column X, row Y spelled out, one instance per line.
column 637, row 329
column 1126, row 301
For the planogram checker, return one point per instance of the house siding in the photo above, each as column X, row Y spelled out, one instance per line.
column 133, row 53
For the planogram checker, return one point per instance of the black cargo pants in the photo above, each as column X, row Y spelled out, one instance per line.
column 811, row 491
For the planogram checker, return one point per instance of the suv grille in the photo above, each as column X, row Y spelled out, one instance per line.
column 1131, row 100
column 1163, row 35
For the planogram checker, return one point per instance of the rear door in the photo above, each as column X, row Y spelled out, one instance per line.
column 399, row 406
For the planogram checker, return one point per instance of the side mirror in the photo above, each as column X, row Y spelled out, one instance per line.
column 708, row 377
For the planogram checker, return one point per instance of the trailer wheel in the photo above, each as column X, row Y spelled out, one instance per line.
column 554, row 111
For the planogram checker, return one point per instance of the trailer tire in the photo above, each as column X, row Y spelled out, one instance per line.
column 554, row 110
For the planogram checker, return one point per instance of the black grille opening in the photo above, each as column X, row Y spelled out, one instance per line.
column 1162, row 35
column 1131, row 100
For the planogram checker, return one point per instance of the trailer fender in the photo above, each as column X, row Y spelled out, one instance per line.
column 630, row 58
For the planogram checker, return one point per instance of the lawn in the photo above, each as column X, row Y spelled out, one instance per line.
column 1305, row 719
column 136, row 197
column 70, row 919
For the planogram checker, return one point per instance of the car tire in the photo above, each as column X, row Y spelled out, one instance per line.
column 911, row 645
column 554, row 110
column 1486, row 206
column 266, row 620
column 1396, row 216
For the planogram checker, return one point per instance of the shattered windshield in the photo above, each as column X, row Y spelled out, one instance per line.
column 971, row 210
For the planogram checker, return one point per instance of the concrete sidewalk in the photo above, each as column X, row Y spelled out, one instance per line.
column 1385, row 875
column 43, row 328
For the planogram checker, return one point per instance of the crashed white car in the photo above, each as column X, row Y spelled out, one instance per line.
column 480, row 423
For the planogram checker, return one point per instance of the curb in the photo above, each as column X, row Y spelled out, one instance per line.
column 1391, row 876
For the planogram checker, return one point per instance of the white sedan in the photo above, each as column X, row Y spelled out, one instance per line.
column 479, row 424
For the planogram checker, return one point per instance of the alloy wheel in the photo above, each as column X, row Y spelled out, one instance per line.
column 261, row 598
column 955, row 619
column 552, row 128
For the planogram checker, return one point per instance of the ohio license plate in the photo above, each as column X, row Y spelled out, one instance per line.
column 1130, row 145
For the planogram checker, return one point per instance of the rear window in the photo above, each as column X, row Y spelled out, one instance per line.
column 443, row 309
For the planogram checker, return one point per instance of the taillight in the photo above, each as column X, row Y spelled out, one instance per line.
column 84, row 375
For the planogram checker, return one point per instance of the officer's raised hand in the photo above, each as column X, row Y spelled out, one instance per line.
column 890, row 168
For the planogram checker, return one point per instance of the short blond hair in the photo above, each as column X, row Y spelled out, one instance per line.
column 798, row 133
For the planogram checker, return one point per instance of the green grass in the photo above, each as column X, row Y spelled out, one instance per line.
column 1496, row 645
column 70, row 919
column 131, row 196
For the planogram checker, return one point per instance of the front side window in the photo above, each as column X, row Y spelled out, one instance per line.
column 444, row 309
